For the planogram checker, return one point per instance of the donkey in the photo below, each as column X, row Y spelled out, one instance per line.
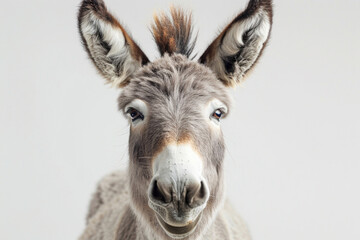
column 174, row 185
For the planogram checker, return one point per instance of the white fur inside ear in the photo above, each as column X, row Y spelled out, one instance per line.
column 257, row 29
column 260, row 25
column 111, row 35
column 115, row 63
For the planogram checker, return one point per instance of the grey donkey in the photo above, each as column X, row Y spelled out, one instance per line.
column 174, row 185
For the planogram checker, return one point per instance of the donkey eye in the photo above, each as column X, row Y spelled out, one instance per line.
column 135, row 114
column 217, row 114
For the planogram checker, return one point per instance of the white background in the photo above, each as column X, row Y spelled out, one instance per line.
column 293, row 137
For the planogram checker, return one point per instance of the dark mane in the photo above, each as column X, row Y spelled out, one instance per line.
column 173, row 34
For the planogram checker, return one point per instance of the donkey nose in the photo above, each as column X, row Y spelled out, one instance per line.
column 196, row 194
column 193, row 194
column 161, row 192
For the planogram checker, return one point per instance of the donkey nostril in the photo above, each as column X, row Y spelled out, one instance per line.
column 202, row 193
column 156, row 194
column 196, row 195
column 160, row 193
column 193, row 194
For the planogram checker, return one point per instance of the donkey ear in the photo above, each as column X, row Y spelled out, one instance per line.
column 111, row 49
column 235, row 51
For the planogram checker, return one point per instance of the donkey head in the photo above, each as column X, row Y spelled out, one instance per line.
column 175, row 106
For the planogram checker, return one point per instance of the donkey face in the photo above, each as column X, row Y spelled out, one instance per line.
column 176, row 146
column 174, row 106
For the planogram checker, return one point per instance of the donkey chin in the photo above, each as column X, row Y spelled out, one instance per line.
column 178, row 193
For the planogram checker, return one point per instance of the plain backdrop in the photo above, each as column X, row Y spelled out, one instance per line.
column 293, row 138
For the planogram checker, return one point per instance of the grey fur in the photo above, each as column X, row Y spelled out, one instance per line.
column 176, row 91
column 114, row 201
column 239, row 46
column 113, row 52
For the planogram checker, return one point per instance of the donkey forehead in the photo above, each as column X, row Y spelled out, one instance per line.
column 174, row 81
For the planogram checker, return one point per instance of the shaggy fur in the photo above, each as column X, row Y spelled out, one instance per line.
column 176, row 92
column 112, row 218
column 173, row 35
column 176, row 88
column 238, row 47
column 109, row 46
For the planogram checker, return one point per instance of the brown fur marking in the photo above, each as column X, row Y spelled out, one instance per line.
column 252, row 7
column 98, row 8
column 173, row 33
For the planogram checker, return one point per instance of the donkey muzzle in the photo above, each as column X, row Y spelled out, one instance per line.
column 178, row 193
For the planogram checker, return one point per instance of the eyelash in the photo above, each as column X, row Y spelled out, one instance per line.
column 134, row 114
column 217, row 114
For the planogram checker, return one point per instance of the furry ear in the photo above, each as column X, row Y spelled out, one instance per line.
column 234, row 52
column 109, row 46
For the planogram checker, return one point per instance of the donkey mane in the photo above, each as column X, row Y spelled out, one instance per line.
column 173, row 34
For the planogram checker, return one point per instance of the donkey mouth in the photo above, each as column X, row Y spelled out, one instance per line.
column 176, row 231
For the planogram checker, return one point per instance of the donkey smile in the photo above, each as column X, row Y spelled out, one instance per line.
column 178, row 193
column 178, row 232
column 174, row 185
